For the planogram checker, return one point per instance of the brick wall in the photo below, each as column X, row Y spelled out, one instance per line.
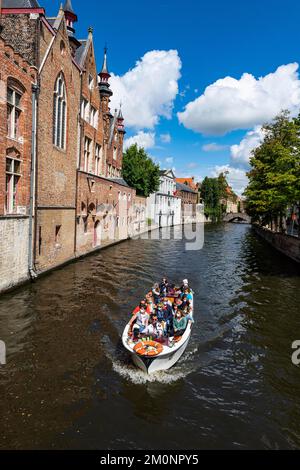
column 103, row 212
column 55, row 238
column 16, row 73
column 56, row 184
column 22, row 32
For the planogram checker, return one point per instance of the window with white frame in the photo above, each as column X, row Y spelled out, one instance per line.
column 91, row 82
column 13, row 112
column 94, row 117
column 13, row 175
column 60, row 113
column 115, row 153
column 85, row 110
column 87, row 154
column 98, row 160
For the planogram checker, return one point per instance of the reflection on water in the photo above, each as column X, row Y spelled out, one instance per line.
column 70, row 384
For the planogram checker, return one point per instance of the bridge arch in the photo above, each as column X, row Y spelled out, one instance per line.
column 237, row 217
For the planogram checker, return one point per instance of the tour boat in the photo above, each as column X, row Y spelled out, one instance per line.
column 154, row 356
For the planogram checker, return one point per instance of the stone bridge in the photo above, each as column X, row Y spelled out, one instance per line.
column 241, row 217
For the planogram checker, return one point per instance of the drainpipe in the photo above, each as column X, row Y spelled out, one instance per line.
column 78, row 163
column 32, row 272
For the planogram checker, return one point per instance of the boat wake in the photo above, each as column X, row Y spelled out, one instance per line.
column 123, row 366
column 138, row 377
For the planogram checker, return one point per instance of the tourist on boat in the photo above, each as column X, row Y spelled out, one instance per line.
column 160, row 312
column 185, row 302
column 156, row 293
column 168, row 317
column 179, row 303
column 174, row 309
column 187, row 293
column 150, row 306
column 151, row 328
column 142, row 304
column 188, row 313
column 164, row 287
column 185, row 285
column 139, row 322
column 179, row 324
column 172, row 290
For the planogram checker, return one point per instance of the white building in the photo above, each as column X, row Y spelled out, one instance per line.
column 164, row 208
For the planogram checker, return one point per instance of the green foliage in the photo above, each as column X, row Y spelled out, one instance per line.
column 139, row 171
column 274, row 179
column 212, row 190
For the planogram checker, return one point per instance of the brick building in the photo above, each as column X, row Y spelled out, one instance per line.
column 80, row 198
column 104, row 200
column 189, row 201
column 17, row 82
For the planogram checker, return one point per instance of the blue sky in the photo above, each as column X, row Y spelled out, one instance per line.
column 213, row 39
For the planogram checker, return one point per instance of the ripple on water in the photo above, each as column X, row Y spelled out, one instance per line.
column 234, row 387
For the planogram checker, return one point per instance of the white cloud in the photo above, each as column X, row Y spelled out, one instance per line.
column 142, row 139
column 241, row 153
column 169, row 160
column 192, row 165
column 213, row 147
column 230, row 104
column 165, row 138
column 236, row 177
column 148, row 90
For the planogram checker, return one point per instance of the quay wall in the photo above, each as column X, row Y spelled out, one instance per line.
column 14, row 256
column 286, row 244
column 14, row 252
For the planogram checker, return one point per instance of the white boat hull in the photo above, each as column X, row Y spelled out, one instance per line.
column 164, row 360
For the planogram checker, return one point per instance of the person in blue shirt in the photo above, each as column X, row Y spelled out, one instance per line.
column 187, row 294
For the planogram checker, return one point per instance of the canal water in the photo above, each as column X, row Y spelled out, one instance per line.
column 68, row 383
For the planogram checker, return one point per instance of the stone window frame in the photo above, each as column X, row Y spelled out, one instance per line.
column 91, row 82
column 98, row 159
column 12, row 177
column 14, row 108
column 85, row 109
column 93, row 117
column 87, row 153
column 60, row 112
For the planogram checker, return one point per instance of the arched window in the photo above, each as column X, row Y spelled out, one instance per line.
column 59, row 113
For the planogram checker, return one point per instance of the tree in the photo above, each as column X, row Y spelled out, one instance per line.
column 210, row 193
column 274, row 178
column 139, row 171
column 215, row 194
